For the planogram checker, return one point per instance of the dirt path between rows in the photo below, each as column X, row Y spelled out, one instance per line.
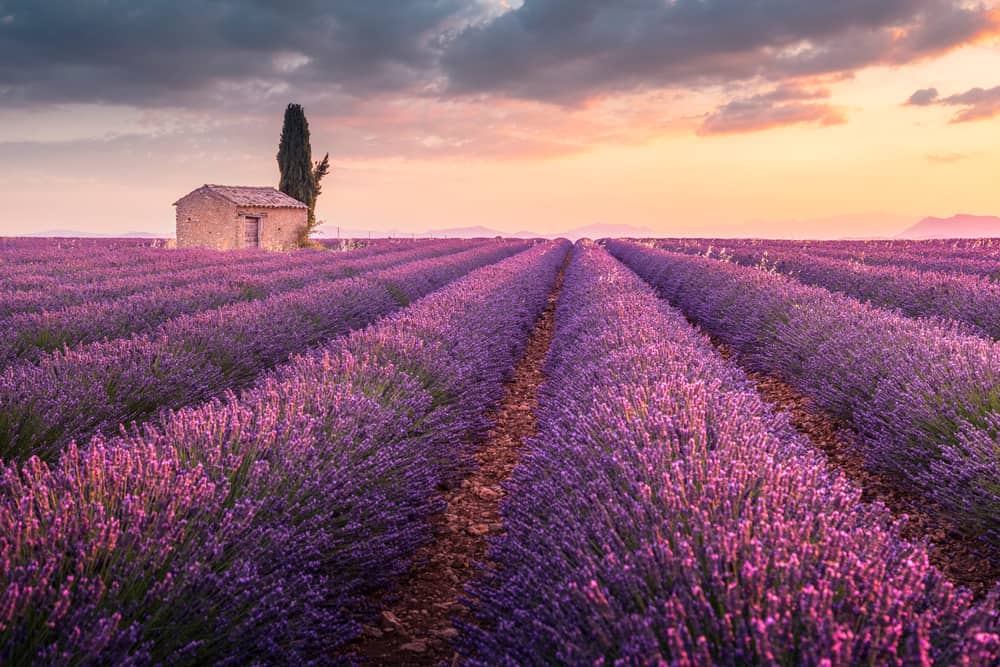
column 416, row 621
column 950, row 552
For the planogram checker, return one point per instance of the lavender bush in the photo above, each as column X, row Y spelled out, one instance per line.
column 76, row 284
column 29, row 335
column 924, row 400
column 975, row 257
column 76, row 393
column 664, row 515
column 971, row 301
column 249, row 530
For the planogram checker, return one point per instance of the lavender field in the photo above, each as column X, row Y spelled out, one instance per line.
column 501, row 452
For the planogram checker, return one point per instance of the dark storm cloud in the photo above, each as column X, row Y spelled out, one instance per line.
column 786, row 105
column 238, row 53
column 163, row 52
column 566, row 50
column 975, row 104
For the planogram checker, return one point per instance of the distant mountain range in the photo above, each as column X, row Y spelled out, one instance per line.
column 955, row 227
column 596, row 231
column 602, row 231
column 463, row 232
column 76, row 234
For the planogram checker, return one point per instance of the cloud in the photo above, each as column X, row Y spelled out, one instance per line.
column 567, row 51
column 186, row 52
column 448, row 77
column 976, row 103
column 502, row 129
column 979, row 103
column 246, row 53
column 923, row 97
column 786, row 105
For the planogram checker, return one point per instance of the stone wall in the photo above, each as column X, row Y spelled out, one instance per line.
column 279, row 227
column 205, row 220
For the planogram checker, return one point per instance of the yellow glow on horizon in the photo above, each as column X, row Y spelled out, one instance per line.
column 888, row 166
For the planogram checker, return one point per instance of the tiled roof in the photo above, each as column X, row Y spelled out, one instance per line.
column 243, row 195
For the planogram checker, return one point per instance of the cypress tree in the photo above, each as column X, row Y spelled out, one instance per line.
column 300, row 178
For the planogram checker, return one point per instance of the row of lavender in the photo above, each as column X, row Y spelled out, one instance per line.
column 977, row 258
column 10, row 243
column 91, row 389
column 923, row 400
column 29, row 335
column 972, row 248
column 77, row 257
column 112, row 262
column 97, row 283
column 718, row 537
column 250, row 530
column 971, row 301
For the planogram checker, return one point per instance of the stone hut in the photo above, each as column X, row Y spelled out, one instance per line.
column 226, row 217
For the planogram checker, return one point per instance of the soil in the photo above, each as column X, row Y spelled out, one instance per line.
column 954, row 554
column 416, row 622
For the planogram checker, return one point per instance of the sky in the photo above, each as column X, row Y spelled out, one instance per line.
column 779, row 118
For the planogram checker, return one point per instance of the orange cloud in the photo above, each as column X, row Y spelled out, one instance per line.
column 785, row 105
column 975, row 103
column 497, row 128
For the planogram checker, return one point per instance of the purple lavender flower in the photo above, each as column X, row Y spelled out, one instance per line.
column 251, row 528
column 665, row 515
column 71, row 395
column 923, row 399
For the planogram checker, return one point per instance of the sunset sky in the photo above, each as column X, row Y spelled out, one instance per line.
column 818, row 118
